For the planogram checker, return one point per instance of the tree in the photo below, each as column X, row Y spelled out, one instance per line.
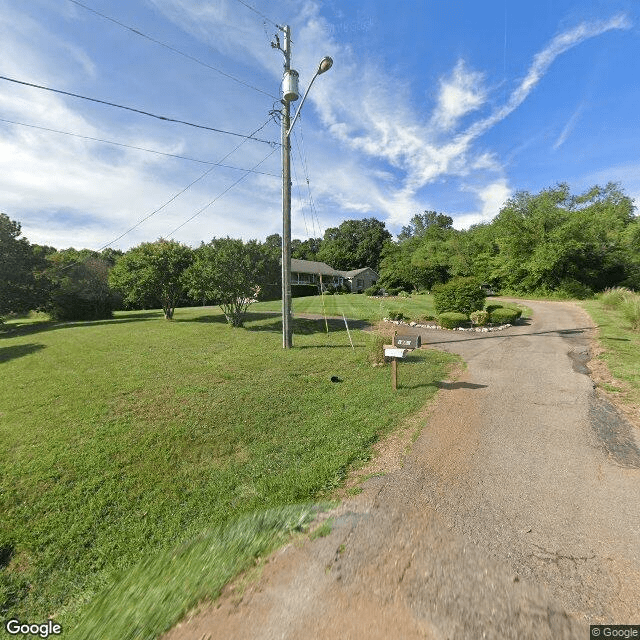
column 152, row 271
column 421, row 223
column 18, row 285
column 79, row 286
column 305, row 249
column 231, row 273
column 354, row 244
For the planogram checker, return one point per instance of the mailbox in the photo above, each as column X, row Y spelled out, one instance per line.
column 407, row 341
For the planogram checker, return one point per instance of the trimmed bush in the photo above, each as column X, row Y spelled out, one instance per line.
column 504, row 315
column 452, row 319
column 463, row 295
column 479, row 318
column 397, row 315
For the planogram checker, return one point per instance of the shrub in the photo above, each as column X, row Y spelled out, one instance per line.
column 504, row 315
column 397, row 315
column 631, row 311
column 376, row 349
column 373, row 290
column 479, row 317
column 574, row 289
column 427, row 318
column 614, row 297
column 452, row 319
column 403, row 294
column 393, row 291
column 463, row 295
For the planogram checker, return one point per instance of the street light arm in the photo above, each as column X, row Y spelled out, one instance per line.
column 304, row 97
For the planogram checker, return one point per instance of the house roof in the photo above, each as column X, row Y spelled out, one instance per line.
column 309, row 266
column 356, row 272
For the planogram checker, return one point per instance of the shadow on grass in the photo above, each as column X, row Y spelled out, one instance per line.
column 13, row 330
column 309, row 326
column 17, row 351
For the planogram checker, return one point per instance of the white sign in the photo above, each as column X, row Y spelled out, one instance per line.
column 395, row 353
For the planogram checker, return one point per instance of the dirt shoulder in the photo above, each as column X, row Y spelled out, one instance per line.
column 510, row 517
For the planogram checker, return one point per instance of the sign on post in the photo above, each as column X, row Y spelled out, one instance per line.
column 401, row 346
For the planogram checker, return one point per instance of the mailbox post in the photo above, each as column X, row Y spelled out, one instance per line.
column 401, row 346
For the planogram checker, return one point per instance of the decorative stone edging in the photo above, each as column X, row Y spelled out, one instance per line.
column 434, row 326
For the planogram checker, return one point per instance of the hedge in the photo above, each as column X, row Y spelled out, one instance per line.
column 452, row 319
column 504, row 315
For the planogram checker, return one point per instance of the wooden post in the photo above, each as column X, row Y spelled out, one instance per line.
column 394, row 373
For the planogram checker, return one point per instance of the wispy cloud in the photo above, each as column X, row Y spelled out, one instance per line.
column 569, row 126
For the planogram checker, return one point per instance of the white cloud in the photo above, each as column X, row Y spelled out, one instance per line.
column 568, row 127
column 459, row 95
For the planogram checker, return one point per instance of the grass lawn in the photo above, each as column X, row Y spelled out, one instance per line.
column 357, row 306
column 621, row 347
column 145, row 462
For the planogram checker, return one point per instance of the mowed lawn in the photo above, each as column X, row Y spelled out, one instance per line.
column 357, row 306
column 127, row 438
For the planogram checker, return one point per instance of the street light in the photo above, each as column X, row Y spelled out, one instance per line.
column 290, row 94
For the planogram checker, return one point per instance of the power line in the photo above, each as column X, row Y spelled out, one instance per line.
column 131, row 146
column 258, row 12
column 197, row 213
column 167, row 46
column 177, row 195
column 145, row 113
column 302, row 154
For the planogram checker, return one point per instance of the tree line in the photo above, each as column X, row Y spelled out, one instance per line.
column 552, row 242
column 544, row 244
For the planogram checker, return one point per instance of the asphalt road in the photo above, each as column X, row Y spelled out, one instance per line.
column 516, row 514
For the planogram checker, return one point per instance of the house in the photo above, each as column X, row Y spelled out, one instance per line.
column 360, row 279
column 320, row 273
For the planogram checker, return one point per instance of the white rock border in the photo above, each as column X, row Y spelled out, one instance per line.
column 435, row 326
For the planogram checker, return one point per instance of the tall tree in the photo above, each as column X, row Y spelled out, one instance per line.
column 79, row 285
column 18, row 286
column 152, row 271
column 230, row 272
column 354, row 244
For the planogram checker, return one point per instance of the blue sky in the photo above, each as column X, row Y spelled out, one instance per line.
column 452, row 106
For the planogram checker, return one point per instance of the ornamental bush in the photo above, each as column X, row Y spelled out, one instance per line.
column 479, row 318
column 463, row 295
column 504, row 315
column 452, row 319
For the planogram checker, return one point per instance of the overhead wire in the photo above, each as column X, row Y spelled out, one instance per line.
column 145, row 113
column 231, row 186
column 179, row 193
column 131, row 146
column 248, row 6
column 170, row 47
column 302, row 154
column 300, row 200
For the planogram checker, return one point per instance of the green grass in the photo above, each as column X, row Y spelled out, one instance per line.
column 357, row 306
column 621, row 343
column 125, row 440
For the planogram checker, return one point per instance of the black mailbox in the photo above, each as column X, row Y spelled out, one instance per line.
column 407, row 341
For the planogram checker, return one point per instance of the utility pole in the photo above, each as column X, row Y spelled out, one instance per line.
column 289, row 94
column 287, row 320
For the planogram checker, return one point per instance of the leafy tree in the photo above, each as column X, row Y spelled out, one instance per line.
column 79, row 286
column 152, row 271
column 421, row 223
column 231, row 273
column 354, row 244
column 305, row 249
column 18, row 285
